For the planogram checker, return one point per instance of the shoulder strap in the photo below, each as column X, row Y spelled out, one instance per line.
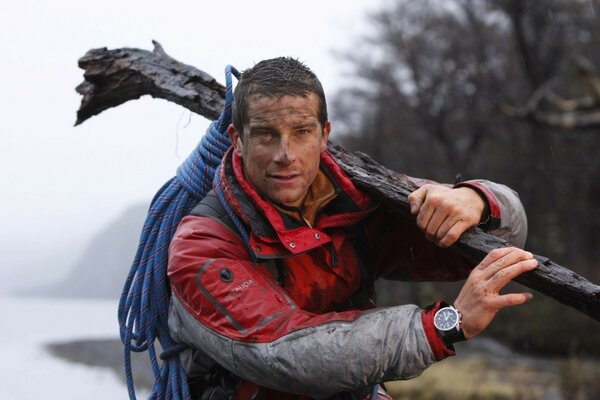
column 211, row 207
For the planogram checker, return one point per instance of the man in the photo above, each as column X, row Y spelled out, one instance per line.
column 272, row 274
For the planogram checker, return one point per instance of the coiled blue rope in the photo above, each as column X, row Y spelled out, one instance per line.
column 143, row 307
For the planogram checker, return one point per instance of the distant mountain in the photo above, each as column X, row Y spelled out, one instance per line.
column 104, row 265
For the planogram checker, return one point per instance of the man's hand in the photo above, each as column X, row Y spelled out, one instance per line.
column 479, row 300
column 444, row 213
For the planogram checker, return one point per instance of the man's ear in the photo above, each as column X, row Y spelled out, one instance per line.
column 236, row 140
column 326, row 130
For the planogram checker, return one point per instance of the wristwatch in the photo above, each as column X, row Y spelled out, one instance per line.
column 447, row 322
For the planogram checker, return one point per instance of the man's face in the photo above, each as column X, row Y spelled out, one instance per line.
column 281, row 146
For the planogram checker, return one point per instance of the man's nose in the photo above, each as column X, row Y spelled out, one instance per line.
column 285, row 153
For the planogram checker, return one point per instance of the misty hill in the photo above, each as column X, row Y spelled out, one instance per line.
column 104, row 265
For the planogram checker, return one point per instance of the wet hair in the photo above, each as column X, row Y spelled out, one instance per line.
column 276, row 77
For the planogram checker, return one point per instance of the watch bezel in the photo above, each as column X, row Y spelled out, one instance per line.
column 455, row 326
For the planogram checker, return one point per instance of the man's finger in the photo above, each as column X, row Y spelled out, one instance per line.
column 436, row 222
column 507, row 274
column 424, row 217
column 493, row 256
column 506, row 260
column 416, row 199
column 510, row 299
column 452, row 233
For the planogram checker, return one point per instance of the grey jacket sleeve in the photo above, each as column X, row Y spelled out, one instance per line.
column 321, row 360
column 507, row 218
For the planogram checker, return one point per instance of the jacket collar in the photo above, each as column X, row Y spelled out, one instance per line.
column 276, row 234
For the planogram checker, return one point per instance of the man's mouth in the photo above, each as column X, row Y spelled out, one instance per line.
column 283, row 178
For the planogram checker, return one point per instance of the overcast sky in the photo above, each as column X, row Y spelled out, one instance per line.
column 60, row 183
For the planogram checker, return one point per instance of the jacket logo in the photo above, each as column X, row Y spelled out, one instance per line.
column 243, row 285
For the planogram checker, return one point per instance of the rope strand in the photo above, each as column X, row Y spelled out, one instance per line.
column 144, row 302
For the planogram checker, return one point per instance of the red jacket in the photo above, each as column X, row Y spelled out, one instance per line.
column 308, row 335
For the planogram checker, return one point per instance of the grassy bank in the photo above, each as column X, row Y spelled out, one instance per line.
column 480, row 377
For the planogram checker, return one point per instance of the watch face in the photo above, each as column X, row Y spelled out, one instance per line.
column 446, row 319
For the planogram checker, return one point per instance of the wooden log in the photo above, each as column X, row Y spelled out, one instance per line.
column 549, row 278
column 113, row 77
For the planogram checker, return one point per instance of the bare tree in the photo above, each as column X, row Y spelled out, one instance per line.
column 438, row 85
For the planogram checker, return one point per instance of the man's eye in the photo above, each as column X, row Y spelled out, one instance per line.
column 303, row 132
column 262, row 135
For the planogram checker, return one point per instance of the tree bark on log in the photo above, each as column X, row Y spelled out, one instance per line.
column 113, row 77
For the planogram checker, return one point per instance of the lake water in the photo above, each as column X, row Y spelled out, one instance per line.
column 29, row 372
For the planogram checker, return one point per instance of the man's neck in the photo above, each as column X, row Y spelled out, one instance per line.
column 320, row 193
